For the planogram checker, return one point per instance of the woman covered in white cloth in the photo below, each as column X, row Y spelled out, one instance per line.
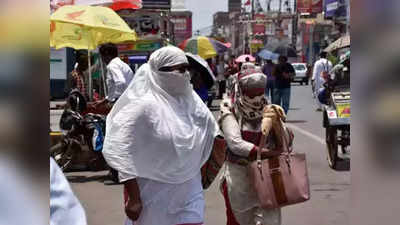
column 240, row 122
column 159, row 134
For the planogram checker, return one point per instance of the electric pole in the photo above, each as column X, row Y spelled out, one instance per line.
column 295, row 25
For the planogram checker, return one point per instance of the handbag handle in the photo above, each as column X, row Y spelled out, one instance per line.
column 262, row 143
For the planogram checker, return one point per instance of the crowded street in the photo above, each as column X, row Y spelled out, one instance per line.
column 171, row 112
column 330, row 190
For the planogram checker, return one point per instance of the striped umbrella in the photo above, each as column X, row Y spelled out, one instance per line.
column 204, row 46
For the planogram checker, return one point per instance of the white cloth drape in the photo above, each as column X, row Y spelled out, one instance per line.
column 159, row 129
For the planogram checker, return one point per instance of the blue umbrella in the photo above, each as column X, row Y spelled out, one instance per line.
column 267, row 55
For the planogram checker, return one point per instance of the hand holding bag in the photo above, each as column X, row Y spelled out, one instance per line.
column 280, row 181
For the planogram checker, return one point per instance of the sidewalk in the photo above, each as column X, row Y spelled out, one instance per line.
column 53, row 104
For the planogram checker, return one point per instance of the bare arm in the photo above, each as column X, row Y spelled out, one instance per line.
column 133, row 207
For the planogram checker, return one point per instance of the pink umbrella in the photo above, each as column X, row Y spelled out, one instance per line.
column 242, row 58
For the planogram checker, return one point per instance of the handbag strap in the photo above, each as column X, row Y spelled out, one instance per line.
column 285, row 143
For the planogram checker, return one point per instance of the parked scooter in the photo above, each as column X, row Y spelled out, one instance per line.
column 83, row 137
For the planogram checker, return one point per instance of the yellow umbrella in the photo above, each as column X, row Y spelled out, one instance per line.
column 86, row 27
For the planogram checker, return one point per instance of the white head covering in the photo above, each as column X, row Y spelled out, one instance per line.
column 249, row 108
column 159, row 128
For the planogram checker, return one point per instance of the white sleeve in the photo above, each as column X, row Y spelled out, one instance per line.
column 315, row 70
column 117, row 81
column 110, row 85
column 65, row 208
column 232, row 134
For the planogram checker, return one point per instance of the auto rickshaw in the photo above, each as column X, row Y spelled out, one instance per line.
column 336, row 114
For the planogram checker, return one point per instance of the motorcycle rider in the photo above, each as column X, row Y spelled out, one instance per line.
column 321, row 67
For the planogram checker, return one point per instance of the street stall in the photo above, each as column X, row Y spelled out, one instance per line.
column 337, row 113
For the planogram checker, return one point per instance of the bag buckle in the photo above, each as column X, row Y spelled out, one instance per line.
column 275, row 170
column 259, row 167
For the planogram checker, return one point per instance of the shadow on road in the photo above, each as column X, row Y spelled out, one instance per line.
column 343, row 165
column 85, row 179
column 296, row 121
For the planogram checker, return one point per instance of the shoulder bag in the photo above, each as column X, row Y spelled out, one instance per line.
column 282, row 180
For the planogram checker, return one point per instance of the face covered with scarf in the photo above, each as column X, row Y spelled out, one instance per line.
column 170, row 71
column 159, row 128
column 250, row 98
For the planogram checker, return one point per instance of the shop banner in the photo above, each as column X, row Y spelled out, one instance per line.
column 58, row 63
column 335, row 8
column 330, row 7
column 146, row 25
column 143, row 46
column 182, row 24
column 156, row 4
column 259, row 26
column 309, row 6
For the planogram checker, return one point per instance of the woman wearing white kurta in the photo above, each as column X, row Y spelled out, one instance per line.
column 240, row 122
column 159, row 134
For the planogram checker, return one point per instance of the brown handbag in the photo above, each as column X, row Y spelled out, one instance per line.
column 282, row 180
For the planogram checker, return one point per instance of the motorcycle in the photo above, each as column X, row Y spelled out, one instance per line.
column 80, row 145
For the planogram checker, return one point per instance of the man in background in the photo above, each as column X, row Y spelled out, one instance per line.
column 321, row 67
column 284, row 74
column 268, row 70
column 78, row 77
column 221, row 79
column 119, row 74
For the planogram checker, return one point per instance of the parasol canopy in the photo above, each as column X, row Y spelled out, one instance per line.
column 285, row 50
column 86, row 27
column 342, row 42
column 267, row 55
column 201, row 65
column 203, row 46
column 242, row 58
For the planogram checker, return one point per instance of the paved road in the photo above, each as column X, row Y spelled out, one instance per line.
column 330, row 190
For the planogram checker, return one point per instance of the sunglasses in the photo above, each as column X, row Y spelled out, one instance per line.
column 180, row 68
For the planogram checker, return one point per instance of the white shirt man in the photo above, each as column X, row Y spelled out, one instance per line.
column 321, row 65
column 119, row 76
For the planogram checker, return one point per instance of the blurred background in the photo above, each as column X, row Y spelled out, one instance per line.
column 24, row 114
column 376, row 111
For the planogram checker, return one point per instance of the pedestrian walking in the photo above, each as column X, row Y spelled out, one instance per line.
column 284, row 74
column 240, row 122
column 233, row 69
column 321, row 67
column 268, row 70
column 159, row 134
column 221, row 79
column 119, row 74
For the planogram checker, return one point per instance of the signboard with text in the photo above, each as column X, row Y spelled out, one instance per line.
column 146, row 25
column 58, row 64
column 156, row 4
column 145, row 46
column 309, row 6
column 335, row 8
column 259, row 27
